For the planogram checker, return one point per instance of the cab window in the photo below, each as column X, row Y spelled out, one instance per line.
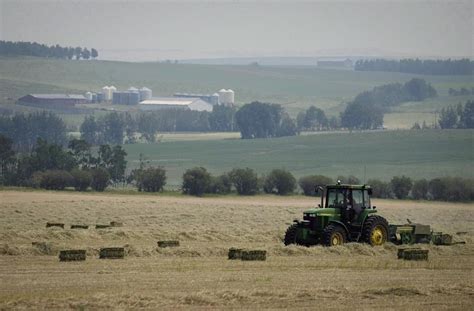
column 357, row 198
column 366, row 199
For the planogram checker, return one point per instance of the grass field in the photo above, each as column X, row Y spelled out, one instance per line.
column 294, row 87
column 417, row 154
column 197, row 275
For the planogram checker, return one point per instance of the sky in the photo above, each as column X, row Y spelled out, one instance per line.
column 157, row 30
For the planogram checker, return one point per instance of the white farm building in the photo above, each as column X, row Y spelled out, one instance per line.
column 195, row 104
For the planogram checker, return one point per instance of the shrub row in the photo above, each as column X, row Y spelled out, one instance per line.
column 80, row 179
column 198, row 181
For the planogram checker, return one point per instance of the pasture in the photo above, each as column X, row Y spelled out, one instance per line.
column 382, row 154
column 197, row 275
column 296, row 88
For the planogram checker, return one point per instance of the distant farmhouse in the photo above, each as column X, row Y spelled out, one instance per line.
column 52, row 100
column 335, row 63
column 159, row 103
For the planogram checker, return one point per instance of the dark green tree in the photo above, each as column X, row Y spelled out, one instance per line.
column 280, row 181
column 401, row 186
column 196, row 181
column 244, row 180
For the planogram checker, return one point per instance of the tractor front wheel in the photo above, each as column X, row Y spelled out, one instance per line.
column 375, row 230
column 334, row 235
column 290, row 235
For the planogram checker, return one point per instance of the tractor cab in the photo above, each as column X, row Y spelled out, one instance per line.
column 345, row 214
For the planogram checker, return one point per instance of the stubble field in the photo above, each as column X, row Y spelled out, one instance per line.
column 197, row 275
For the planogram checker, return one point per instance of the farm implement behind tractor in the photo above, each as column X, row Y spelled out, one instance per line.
column 413, row 233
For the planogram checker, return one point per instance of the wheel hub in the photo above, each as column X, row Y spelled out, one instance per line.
column 377, row 236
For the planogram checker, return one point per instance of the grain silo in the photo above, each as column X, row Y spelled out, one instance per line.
column 94, row 97
column 145, row 93
column 132, row 89
column 231, row 96
column 133, row 98
column 223, row 96
column 116, row 98
column 214, row 100
column 107, row 95
column 88, row 96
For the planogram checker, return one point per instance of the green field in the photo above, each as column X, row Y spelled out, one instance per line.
column 294, row 87
column 417, row 154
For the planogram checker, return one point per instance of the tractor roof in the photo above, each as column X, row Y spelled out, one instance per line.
column 347, row 186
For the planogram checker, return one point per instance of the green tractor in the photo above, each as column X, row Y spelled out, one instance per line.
column 344, row 215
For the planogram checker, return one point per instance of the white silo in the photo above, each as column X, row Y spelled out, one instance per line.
column 223, row 96
column 88, row 96
column 145, row 93
column 133, row 89
column 231, row 95
column 112, row 90
column 106, row 93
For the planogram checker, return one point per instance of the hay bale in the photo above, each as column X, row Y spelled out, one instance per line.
column 54, row 224
column 415, row 254
column 170, row 243
column 102, row 226
column 442, row 239
column 79, row 227
column 235, row 253
column 72, row 255
column 402, row 250
column 116, row 224
column 248, row 255
column 112, row 253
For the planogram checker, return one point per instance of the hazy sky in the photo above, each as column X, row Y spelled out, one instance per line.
column 151, row 30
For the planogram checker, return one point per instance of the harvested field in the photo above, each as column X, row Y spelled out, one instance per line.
column 198, row 275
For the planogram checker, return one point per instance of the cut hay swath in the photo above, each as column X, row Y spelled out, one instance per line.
column 170, row 243
column 54, row 224
column 116, row 224
column 412, row 254
column 112, row 253
column 248, row 255
column 79, row 227
column 72, row 255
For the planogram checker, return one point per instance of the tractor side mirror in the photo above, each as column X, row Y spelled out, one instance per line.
column 319, row 205
column 374, row 207
column 369, row 191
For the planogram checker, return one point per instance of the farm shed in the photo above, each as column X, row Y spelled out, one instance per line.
column 195, row 104
column 52, row 100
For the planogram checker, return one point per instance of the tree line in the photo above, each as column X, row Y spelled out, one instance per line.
column 366, row 110
column 21, row 48
column 461, row 92
column 429, row 67
column 461, row 116
column 51, row 166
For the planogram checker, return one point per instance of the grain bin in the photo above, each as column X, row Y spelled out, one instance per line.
column 106, row 93
column 94, row 97
column 145, row 93
column 214, row 99
column 133, row 98
column 112, row 90
column 88, row 96
column 231, row 96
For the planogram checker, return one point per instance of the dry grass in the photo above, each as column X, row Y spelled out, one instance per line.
column 198, row 275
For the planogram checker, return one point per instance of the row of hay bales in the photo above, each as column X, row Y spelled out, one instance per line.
column 82, row 226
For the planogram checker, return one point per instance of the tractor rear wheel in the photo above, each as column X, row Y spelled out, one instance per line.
column 375, row 230
column 334, row 235
column 290, row 235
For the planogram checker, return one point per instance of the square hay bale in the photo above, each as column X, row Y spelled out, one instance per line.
column 170, row 243
column 79, row 227
column 439, row 238
column 116, row 224
column 248, row 255
column 54, row 224
column 235, row 253
column 102, row 226
column 72, row 255
column 112, row 253
column 402, row 250
column 415, row 254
